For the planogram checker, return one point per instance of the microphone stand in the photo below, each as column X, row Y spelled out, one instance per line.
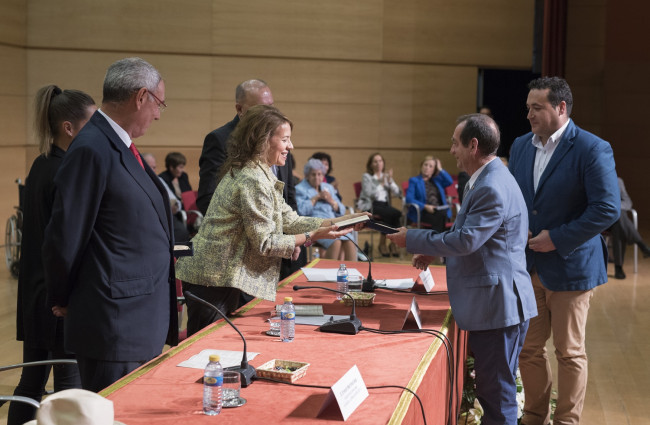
column 246, row 371
column 368, row 284
column 344, row 326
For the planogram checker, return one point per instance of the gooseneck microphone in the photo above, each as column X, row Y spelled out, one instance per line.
column 246, row 371
column 368, row 284
column 344, row 326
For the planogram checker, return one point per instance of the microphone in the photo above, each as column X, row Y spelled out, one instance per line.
column 246, row 371
column 344, row 326
column 368, row 284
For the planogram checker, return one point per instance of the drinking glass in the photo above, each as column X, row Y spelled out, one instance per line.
column 230, row 389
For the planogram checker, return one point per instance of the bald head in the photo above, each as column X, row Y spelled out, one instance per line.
column 251, row 93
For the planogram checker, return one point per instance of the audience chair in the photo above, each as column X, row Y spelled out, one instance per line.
column 192, row 216
column 357, row 194
column 451, row 193
column 20, row 399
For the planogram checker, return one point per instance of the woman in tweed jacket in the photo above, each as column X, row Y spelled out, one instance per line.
column 248, row 227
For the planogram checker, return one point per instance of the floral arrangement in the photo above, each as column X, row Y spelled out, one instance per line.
column 471, row 410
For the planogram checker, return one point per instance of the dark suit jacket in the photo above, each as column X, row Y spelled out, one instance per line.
column 36, row 325
column 108, row 250
column 577, row 198
column 214, row 156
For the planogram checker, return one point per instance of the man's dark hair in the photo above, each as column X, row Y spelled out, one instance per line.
column 559, row 91
column 484, row 129
column 174, row 159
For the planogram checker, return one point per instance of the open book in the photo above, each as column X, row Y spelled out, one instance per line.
column 368, row 222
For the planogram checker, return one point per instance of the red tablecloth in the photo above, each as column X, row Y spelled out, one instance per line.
column 162, row 393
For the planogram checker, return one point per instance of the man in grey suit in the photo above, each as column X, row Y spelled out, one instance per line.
column 490, row 291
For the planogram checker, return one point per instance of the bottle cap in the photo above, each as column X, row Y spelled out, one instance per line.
column 290, row 299
column 215, row 357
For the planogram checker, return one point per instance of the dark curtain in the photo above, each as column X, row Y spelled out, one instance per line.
column 554, row 47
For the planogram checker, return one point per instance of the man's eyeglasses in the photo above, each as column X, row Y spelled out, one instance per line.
column 161, row 105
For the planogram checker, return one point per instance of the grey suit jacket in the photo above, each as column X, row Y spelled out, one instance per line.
column 489, row 287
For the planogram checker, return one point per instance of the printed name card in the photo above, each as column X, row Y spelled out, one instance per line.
column 427, row 280
column 348, row 393
column 412, row 319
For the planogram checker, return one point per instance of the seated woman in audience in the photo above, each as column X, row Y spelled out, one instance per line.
column 60, row 115
column 376, row 188
column 317, row 198
column 428, row 192
column 174, row 175
column 326, row 159
column 248, row 228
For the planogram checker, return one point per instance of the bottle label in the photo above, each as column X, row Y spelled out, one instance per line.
column 213, row 381
column 287, row 315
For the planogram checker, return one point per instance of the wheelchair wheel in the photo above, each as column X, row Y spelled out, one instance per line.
column 12, row 245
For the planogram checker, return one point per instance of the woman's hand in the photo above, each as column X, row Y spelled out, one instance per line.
column 296, row 253
column 327, row 197
column 429, row 208
column 330, row 232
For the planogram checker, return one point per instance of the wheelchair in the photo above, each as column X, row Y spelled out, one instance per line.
column 13, row 234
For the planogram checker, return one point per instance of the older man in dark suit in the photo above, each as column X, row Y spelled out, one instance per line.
column 108, row 248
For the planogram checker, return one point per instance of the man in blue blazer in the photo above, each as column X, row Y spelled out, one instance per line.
column 489, row 288
column 568, row 179
column 108, row 249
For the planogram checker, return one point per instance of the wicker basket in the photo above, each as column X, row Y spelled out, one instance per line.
column 363, row 299
column 269, row 370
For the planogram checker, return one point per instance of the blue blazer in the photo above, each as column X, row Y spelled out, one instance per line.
column 489, row 287
column 108, row 250
column 416, row 193
column 577, row 198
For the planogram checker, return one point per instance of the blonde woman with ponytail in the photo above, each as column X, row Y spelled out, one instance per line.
column 59, row 116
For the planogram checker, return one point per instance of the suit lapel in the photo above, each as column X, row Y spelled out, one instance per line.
column 140, row 175
column 566, row 144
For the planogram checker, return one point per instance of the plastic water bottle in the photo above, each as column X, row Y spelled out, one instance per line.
column 212, row 384
column 287, row 320
column 342, row 281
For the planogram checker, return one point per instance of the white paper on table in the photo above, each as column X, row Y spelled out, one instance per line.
column 228, row 358
column 325, row 275
column 395, row 283
column 427, row 280
column 318, row 320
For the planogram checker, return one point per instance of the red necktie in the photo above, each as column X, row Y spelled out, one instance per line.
column 133, row 149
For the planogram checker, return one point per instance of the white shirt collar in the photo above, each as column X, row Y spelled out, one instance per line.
column 122, row 134
column 554, row 140
column 477, row 173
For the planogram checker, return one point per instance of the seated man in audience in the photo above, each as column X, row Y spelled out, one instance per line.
column 624, row 233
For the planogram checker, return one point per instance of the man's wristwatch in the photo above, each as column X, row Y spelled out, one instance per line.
column 308, row 241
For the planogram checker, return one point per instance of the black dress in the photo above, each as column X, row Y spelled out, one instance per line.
column 40, row 331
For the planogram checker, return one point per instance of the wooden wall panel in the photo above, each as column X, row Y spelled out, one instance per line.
column 336, row 29
column 12, row 166
column 496, row 33
column 421, row 102
column 12, row 96
column 115, row 25
column 13, row 17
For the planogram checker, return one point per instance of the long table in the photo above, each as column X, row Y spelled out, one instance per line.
column 160, row 392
